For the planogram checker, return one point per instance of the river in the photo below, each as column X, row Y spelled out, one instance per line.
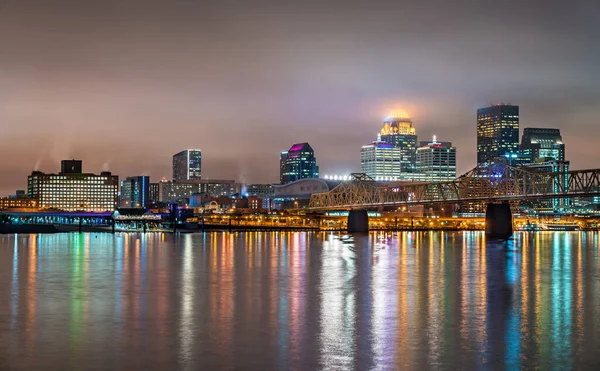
column 299, row 301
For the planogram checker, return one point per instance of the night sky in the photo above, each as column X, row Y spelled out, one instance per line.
column 123, row 85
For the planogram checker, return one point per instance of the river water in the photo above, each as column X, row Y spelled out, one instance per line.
column 299, row 301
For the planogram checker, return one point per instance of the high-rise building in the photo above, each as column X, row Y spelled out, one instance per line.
column 282, row 167
column 298, row 163
column 436, row 161
column 73, row 190
column 154, row 193
column 381, row 161
column 398, row 130
column 135, row 192
column 542, row 144
column 497, row 132
column 187, row 165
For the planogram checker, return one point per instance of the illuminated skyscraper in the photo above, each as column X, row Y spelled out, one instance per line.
column 497, row 132
column 381, row 161
column 398, row 130
column 299, row 162
column 541, row 144
column 436, row 161
column 135, row 192
column 187, row 165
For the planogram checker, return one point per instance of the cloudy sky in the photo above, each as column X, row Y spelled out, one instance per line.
column 124, row 84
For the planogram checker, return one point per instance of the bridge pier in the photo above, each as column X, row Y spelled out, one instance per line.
column 498, row 221
column 358, row 221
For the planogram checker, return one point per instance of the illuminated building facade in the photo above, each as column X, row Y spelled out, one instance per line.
column 542, row 144
column 17, row 202
column 187, row 165
column 381, row 161
column 135, row 192
column 299, row 162
column 398, row 130
column 154, row 192
column 436, row 161
column 74, row 191
column 283, row 167
column 181, row 190
column 497, row 132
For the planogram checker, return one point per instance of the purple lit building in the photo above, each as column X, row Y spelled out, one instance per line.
column 299, row 162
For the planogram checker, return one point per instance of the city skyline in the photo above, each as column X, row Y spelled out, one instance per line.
column 83, row 81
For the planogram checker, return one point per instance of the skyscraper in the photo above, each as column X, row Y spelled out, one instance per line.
column 398, row 130
column 187, row 165
column 135, row 192
column 436, row 161
column 542, row 144
column 381, row 161
column 497, row 132
column 282, row 167
column 298, row 163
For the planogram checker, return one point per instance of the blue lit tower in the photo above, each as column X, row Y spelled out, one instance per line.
column 135, row 192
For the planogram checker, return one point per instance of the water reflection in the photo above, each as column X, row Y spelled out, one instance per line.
column 299, row 301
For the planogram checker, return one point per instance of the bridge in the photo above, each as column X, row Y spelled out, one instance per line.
column 495, row 183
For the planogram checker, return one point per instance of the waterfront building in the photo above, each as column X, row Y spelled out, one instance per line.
column 73, row 190
column 135, row 192
column 187, row 165
column 17, row 203
column 542, row 144
column 381, row 161
column 398, row 130
column 154, row 193
column 299, row 162
column 263, row 191
column 436, row 161
column 259, row 190
column 497, row 132
column 181, row 190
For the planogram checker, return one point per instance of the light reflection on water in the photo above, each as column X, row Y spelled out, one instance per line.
column 302, row 301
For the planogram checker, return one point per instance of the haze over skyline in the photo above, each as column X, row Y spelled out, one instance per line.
column 124, row 85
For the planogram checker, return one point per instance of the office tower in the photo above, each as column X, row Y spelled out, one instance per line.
column 154, row 193
column 542, row 144
column 282, row 167
column 436, row 161
column 72, row 190
column 398, row 130
column 135, row 192
column 298, row 163
column 381, row 161
column 187, row 165
column 497, row 132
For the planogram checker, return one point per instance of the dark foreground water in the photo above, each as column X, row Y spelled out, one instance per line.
column 299, row 301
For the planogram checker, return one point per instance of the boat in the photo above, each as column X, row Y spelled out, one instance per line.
column 560, row 227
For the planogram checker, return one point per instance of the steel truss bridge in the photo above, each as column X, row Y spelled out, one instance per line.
column 494, row 182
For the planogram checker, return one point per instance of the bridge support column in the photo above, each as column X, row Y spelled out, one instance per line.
column 498, row 221
column 358, row 221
